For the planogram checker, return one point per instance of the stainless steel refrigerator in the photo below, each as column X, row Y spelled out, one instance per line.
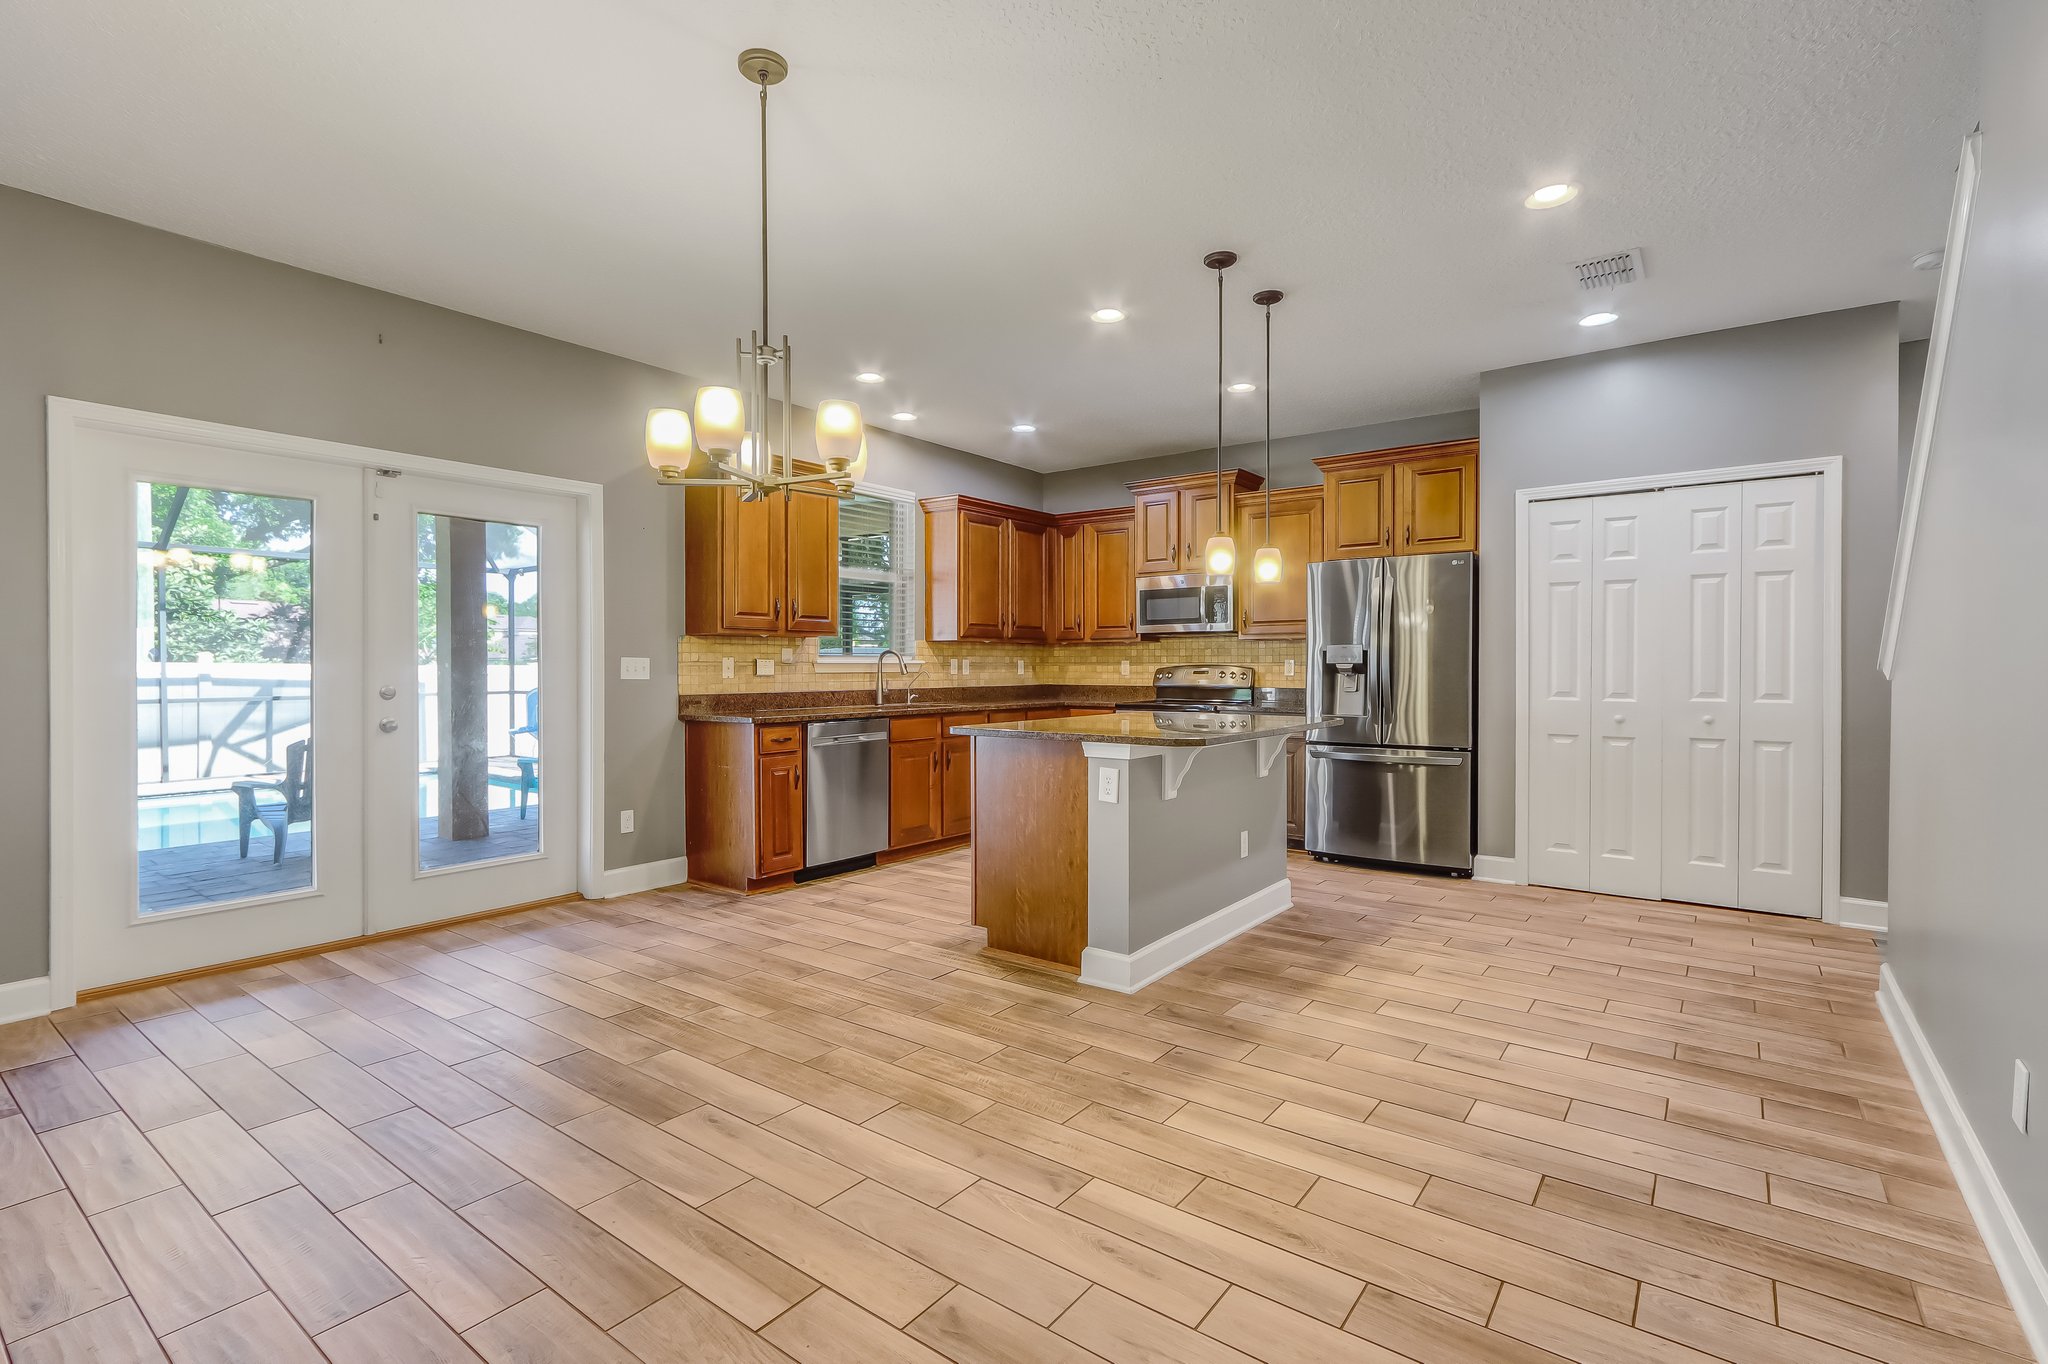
column 1391, row 649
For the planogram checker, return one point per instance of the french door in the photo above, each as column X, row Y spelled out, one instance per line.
column 304, row 700
column 1675, row 708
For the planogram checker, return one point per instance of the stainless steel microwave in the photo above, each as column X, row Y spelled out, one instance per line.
column 1186, row 604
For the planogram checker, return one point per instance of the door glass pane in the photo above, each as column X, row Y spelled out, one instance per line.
column 223, row 696
column 479, row 691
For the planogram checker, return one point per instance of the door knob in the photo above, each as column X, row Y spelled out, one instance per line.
column 388, row 725
column 1620, row 719
column 387, row 691
column 1706, row 719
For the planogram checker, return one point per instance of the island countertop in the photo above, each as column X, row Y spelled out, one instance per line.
column 1156, row 728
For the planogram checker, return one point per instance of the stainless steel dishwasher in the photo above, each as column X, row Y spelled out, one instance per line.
column 846, row 789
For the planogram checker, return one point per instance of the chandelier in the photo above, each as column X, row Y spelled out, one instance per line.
column 724, row 442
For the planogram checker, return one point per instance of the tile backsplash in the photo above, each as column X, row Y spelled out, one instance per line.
column 700, row 662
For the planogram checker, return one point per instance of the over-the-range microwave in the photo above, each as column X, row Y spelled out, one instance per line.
column 1186, row 604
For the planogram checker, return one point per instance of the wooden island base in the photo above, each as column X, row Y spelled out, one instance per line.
column 1031, row 848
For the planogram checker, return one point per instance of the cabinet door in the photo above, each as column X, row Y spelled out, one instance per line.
column 751, row 538
column 1069, row 585
column 1358, row 513
column 778, row 813
column 956, row 786
column 1279, row 610
column 1297, row 790
column 914, row 799
column 1109, row 606
column 1158, row 532
column 1028, row 580
column 1202, row 512
column 811, row 600
column 1438, row 502
column 982, row 548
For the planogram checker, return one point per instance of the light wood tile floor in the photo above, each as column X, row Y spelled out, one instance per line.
column 1409, row 1120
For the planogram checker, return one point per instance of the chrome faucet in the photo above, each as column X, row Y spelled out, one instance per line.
column 881, row 684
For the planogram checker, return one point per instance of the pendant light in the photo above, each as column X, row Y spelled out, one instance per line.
column 1219, row 552
column 723, row 441
column 1266, row 563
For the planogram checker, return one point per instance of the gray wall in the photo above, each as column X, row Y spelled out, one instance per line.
column 1808, row 387
column 108, row 311
column 1969, row 937
column 1103, row 484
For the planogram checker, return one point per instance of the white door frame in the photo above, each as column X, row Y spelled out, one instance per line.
column 1829, row 468
column 70, row 418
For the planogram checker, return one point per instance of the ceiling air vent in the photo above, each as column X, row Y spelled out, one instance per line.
column 1611, row 271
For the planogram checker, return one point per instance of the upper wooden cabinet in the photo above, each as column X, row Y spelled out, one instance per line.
column 1069, row 584
column 1418, row 499
column 1176, row 516
column 1279, row 610
column 1109, row 594
column 987, row 569
column 769, row 567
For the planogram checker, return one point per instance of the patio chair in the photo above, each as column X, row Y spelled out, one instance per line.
column 292, row 803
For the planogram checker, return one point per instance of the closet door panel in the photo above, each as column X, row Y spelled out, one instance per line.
column 1782, row 773
column 1559, row 690
column 1627, row 797
column 1700, row 598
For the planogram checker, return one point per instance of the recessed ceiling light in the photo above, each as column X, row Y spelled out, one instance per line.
column 903, row 416
column 868, row 376
column 1929, row 260
column 1599, row 319
column 1023, row 428
column 1108, row 314
column 1241, row 387
column 1550, row 196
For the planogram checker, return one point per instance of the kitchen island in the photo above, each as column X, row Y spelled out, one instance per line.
column 1122, row 846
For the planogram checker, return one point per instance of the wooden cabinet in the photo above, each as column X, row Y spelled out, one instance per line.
column 916, row 793
column 769, row 567
column 1297, row 790
column 1109, row 603
column 743, row 803
column 1419, row 499
column 1069, row 583
column 779, row 813
column 1279, row 610
column 956, row 776
column 1176, row 516
column 988, row 571
column 1436, row 501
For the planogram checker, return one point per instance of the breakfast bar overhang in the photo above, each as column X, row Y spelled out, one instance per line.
column 1122, row 846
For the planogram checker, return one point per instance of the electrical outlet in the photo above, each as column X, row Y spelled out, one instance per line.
column 789, row 655
column 953, row 666
column 1105, row 786
column 725, row 667
column 1020, row 667
column 966, row 665
column 1244, row 842
column 2021, row 1082
column 625, row 821
column 633, row 670
column 764, row 667
column 1289, row 668
column 1124, row 668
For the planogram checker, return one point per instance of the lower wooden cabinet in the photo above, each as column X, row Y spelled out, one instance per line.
column 1297, row 790
column 778, row 813
column 743, row 803
column 956, row 777
column 916, row 809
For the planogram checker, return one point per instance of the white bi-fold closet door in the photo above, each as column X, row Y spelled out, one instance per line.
column 1675, row 721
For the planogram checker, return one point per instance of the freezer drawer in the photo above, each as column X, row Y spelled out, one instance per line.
column 1407, row 805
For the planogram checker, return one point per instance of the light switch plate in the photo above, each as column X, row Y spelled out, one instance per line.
column 1020, row 667
column 1244, row 842
column 1105, row 786
column 633, row 670
column 789, row 655
column 1124, row 667
column 2021, row 1082
column 953, row 665
column 625, row 821
column 1289, row 669
column 966, row 665
column 764, row 667
column 725, row 667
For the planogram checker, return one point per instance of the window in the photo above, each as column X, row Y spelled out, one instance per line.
column 878, row 587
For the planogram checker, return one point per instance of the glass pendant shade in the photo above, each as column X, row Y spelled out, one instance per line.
column 1266, row 565
column 858, row 469
column 840, row 437
column 721, row 419
column 1220, row 554
column 668, row 438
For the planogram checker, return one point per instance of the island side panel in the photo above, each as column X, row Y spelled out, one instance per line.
column 1031, row 847
column 718, row 802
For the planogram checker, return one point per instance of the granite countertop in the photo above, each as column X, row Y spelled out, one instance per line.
column 746, row 708
column 1153, row 728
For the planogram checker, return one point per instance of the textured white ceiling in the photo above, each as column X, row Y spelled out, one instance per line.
column 957, row 184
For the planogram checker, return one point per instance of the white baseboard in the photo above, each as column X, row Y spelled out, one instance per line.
column 1128, row 972
column 21, row 999
column 1869, row 915
column 617, row 881
column 1505, row 870
column 2016, row 1257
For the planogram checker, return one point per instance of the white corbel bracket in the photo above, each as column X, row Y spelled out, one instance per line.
column 1269, row 751
column 1173, row 770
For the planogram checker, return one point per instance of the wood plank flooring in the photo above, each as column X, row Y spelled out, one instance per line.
column 1409, row 1120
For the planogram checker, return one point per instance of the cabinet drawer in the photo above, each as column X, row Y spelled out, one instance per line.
column 979, row 717
column 1091, row 710
column 913, row 727
column 778, row 738
column 1053, row 714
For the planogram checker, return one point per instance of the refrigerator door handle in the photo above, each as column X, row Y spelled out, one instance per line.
column 1387, row 757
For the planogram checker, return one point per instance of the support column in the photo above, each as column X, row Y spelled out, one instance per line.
column 460, row 573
